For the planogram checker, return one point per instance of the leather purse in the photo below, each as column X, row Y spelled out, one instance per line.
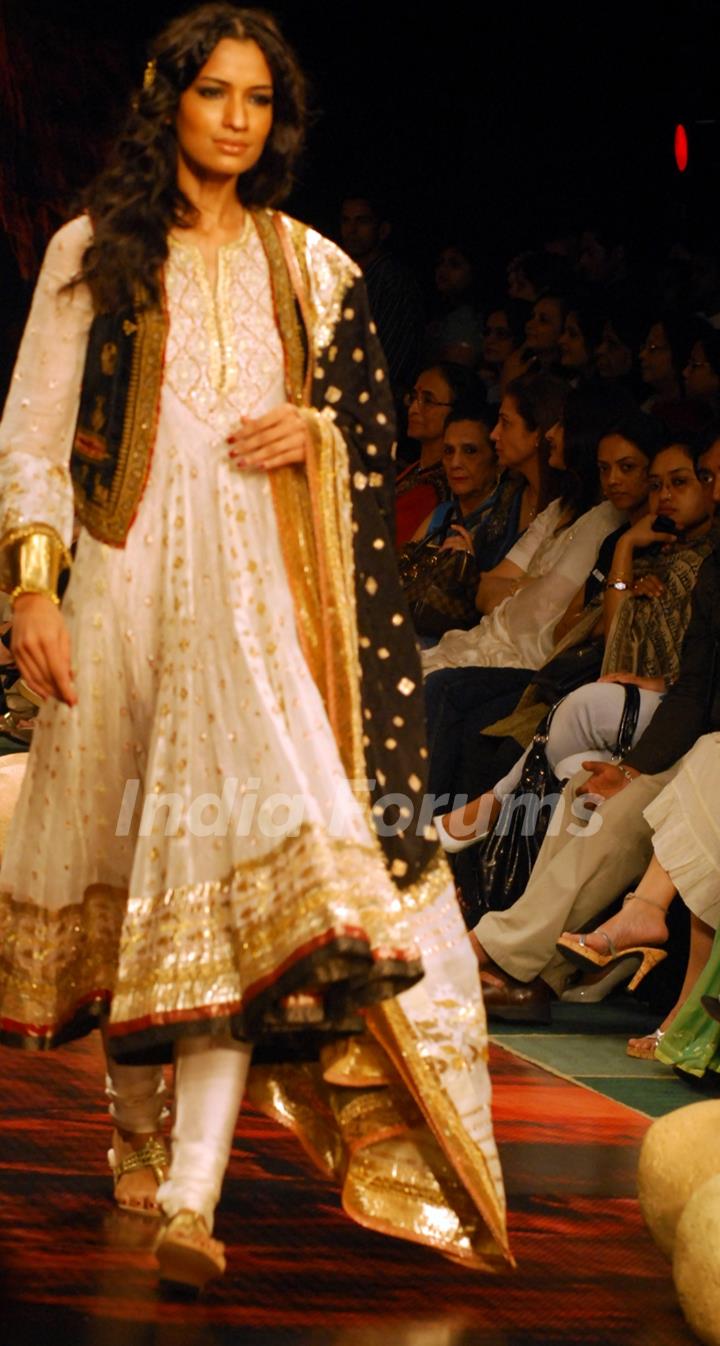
column 505, row 858
column 569, row 670
column 439, row 585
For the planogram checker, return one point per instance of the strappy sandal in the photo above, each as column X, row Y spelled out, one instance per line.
column 643, row 1049
column 577, row 951
column 152, row 1154
column 186, row 1253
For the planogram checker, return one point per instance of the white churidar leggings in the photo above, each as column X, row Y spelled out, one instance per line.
column 210, row 1076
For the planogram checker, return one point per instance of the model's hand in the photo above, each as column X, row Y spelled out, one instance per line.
column 458, row 540
column 647, row 684
column 276, row 439
column 605, row 779
column 41, row 647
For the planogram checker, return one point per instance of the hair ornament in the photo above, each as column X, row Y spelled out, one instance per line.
column 149, row 75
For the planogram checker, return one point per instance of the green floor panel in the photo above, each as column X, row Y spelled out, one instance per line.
column 582, row 1057
column 654, row 1097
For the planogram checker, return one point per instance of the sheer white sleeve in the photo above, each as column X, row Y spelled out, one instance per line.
column 41, row 408
column 534, row 612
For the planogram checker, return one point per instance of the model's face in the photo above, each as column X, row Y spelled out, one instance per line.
column 613, row 359
column 453, row 273
column 544, row 328
column 699, row 375
column 225, row 116
column 361, row 231
column 623, row 469
column 469, row 458
column 656, row 357
column 429, row 404
column 709, row 474
column 497, row 340
column 574, row 353
column 514, row 441
column 676, row 490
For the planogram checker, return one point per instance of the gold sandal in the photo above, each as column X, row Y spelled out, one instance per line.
column 150, row 1155
column 578, row 951
column 186, row 1253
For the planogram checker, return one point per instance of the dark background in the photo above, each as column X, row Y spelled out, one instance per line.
column 495, row 122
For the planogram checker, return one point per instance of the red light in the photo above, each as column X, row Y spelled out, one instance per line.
column 681, row 147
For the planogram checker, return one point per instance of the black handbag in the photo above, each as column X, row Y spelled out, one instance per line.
column 439, row 585
column 505, row 858
column 569, row 670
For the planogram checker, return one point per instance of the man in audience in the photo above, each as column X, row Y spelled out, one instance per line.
column 395, row 298
column 581, row 869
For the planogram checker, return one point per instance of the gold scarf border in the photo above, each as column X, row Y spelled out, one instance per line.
column 396, row 1034
column 110, row 520
column 374, row 1145
column 314, row 513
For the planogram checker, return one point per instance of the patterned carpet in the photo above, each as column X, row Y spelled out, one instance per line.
column 74, row 1272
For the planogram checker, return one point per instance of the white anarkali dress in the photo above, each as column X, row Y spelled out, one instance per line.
column 187, row 830
column 199, row 747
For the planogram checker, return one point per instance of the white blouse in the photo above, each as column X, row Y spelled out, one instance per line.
column 519, row 632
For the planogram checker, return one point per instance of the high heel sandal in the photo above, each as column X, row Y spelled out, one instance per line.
column 186, row 1253
column 592, row 992
column 643, row 1049
column 578, row 952
column 150, row 1155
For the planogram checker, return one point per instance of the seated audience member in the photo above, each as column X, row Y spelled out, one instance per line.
column 644, row 622
column 701, row 374
column 533, row 274
column 395, row 297
column 441, row 597
column 581, row 334
column 685, row 861
column 602, row 258
column 470, row 464
column 663, row 357
column 704, row 280
column 616, row 352
column 475, row 677
column 543, row 331
column 581, row 870
column 419, row 487
column 455, row 333
column 504, row 332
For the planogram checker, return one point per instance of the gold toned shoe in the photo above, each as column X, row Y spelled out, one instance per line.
column 151, row 1155
column 578, row 951
column 186, row 1253
column 643, row 1049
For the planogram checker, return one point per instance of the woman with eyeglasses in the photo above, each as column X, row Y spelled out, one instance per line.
column 664, row 356
column 422, row 485
column 701, row 374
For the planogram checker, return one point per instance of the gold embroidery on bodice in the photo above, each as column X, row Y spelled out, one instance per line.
column 224, row 354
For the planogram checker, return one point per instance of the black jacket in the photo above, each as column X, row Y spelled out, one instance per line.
column 692, row 705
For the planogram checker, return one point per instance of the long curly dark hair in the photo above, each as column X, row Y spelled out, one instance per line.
column 135, row 201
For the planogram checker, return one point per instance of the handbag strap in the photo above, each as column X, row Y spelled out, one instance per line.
column 628, row 720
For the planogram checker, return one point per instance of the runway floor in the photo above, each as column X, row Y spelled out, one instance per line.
column 75, row 1272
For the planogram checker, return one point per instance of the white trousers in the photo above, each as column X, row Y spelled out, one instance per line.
column 210, row 1076
column 584, row 725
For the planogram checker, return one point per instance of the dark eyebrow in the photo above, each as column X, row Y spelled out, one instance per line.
column 226, row 83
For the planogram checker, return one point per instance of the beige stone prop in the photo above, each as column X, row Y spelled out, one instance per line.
column 680, row 1152
column 696, row 1262
column 12, row 770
